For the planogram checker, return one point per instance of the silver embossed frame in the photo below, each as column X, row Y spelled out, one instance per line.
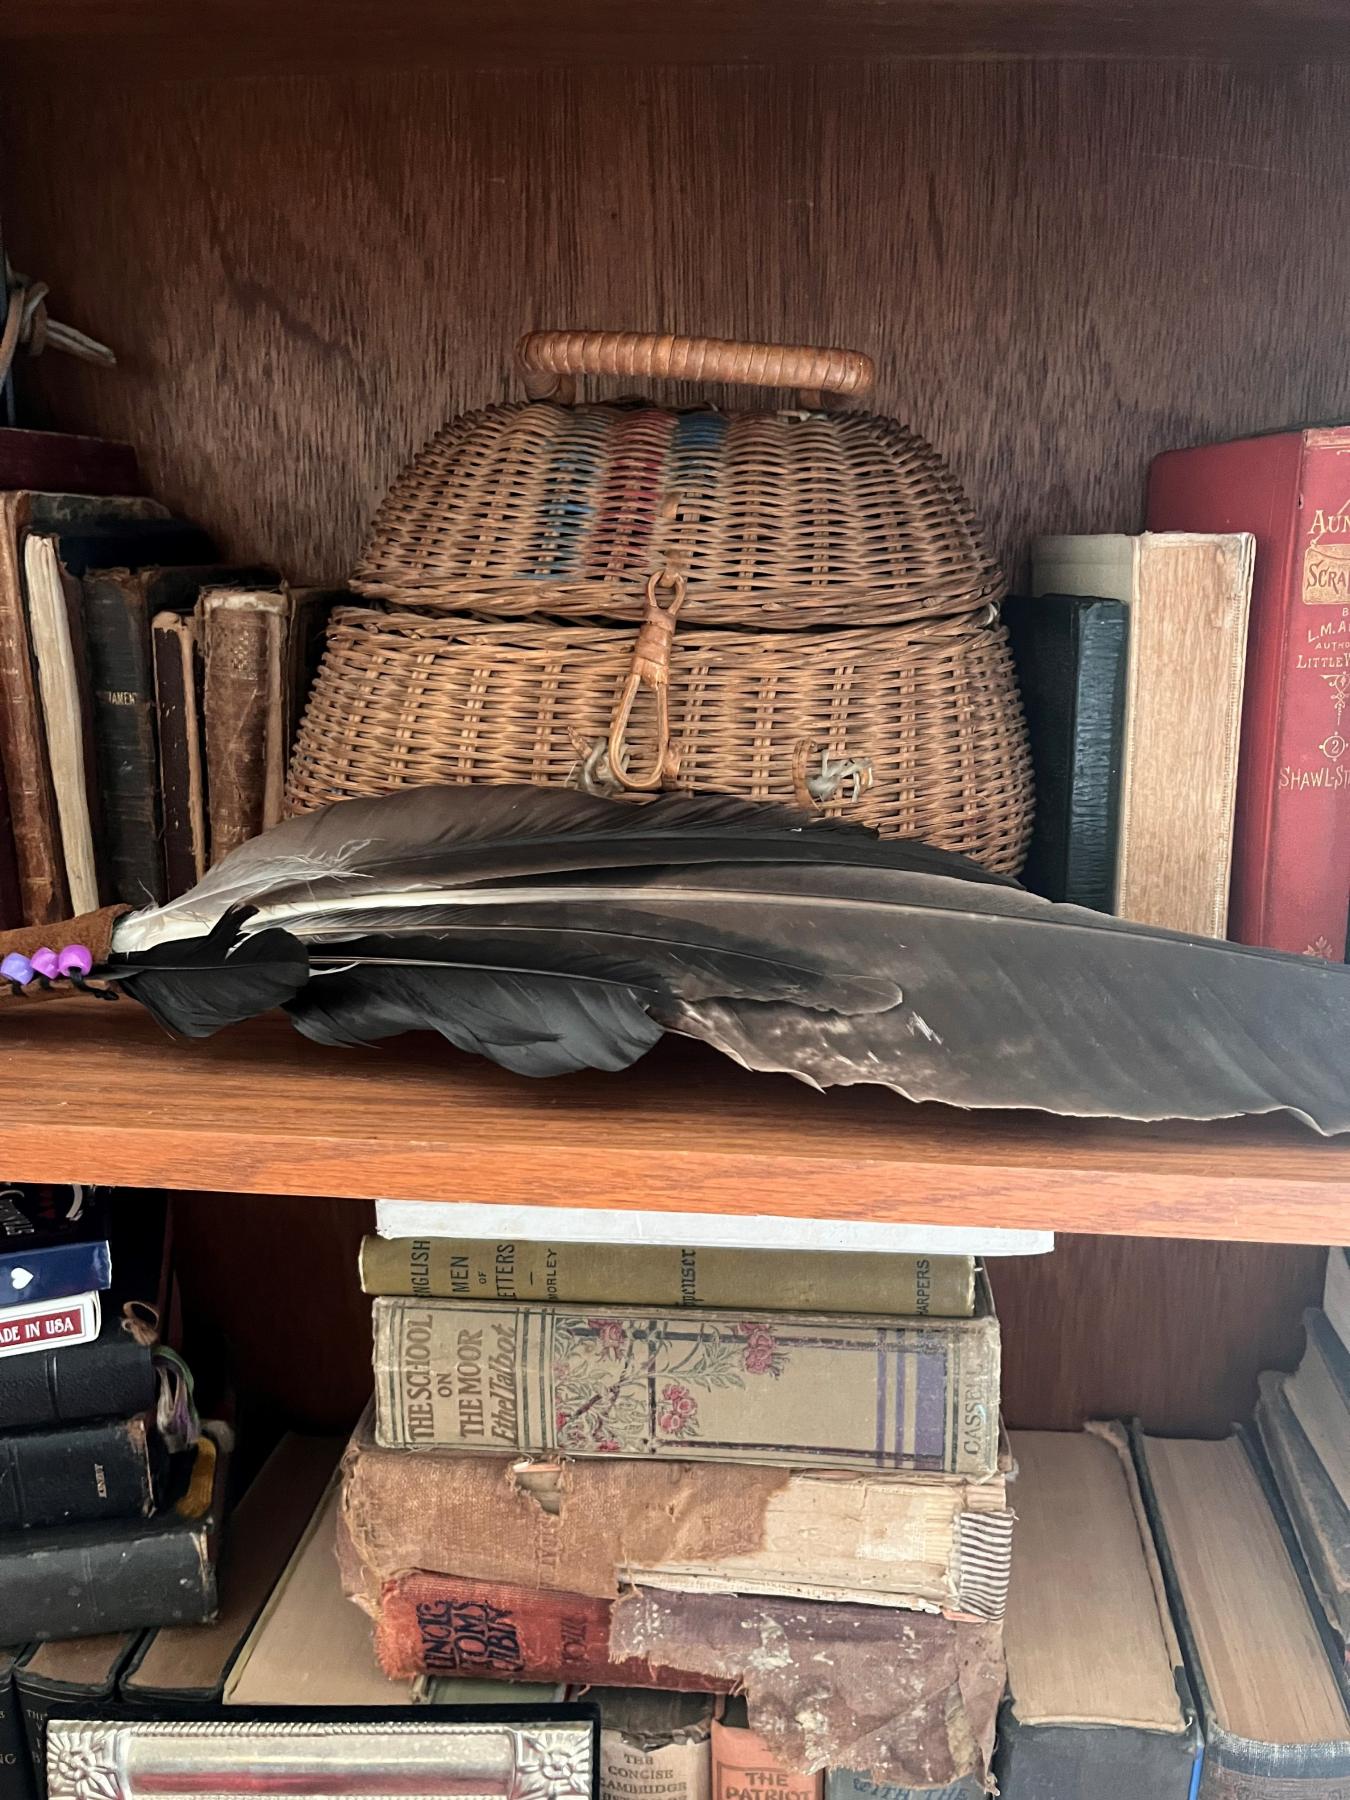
column 320, row 1759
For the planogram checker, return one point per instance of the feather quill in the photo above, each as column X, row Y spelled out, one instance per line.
column 554, row 931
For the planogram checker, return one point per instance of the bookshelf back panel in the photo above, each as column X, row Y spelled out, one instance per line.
column 1061, row 267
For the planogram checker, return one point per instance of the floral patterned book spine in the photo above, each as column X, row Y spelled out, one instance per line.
column 792, row 1389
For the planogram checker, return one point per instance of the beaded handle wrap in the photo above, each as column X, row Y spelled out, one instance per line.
column 37, row 957
column 551, row 361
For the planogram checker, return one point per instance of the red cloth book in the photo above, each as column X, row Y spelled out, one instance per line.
column 1291, row 849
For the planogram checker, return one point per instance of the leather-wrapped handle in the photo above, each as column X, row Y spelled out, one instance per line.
column 551, row 361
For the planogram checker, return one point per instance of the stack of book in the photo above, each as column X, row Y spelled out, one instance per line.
column 107, row 1495
column 703, row 1471
column 148, row 692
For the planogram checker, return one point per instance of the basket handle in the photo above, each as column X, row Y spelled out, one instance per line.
column 551, row 361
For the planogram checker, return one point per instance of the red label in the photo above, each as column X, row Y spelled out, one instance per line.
column 33, row 1329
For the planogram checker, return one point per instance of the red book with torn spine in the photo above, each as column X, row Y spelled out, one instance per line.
column 1291, row 852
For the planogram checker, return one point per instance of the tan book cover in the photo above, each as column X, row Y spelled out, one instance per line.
column 654, row 1746
column 427, row 1268
column 1189, row 595
column 938, row 1543
column 742, row 1387
column 244, row 638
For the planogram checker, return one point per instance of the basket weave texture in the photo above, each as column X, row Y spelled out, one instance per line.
column 405, row 699
column 774, row 520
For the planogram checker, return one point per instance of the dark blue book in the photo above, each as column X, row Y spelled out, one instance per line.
column 53, row 1244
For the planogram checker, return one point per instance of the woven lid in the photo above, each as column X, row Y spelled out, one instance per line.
column 781, row 519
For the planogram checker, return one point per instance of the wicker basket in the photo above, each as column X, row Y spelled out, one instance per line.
column 818, row 612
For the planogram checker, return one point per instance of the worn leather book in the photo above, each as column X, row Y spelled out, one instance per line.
column 1291, row 859
column 1071, row 662
column 1319, row 1393
column 1188, row 597
column 1098, row 1702
column 177, row 654
column 77, row 1474
column 910, row 1696
column 654, row 1746
column 743, row 1387
column 744, row 1768
column 16, row 1781
column 245, row 647
column 1274, row 1700
column 182, row 1669
column 11, row 901
column 61, row 462
column 59, row 1384
column 1319, row 1515
column 23, row 743
column 120, row 1574
column 72, row 1679
column 598, row 1526
column 666, row 1275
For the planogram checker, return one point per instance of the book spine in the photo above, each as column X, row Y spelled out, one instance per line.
column 632, row 1769
column 667, row 1275
column 112, row 1377
column 11, row 898
column 182, row 774
column 53, row 1273
column 1297, row 900
column 60, row 462
column 76, row 1584
column 692, row 1384
column 242, row 652
column 444, row 1625
column 24, row 1329
column 848, row 1784
column 117, row 637
column 743, row 1768
column 76, row 1475
column 16, row 1780
column 23, row 745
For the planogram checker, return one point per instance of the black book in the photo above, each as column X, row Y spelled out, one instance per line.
column 99, row 1470
column 1071, row 663
column 122, row 1574
column 76, row 1679
column 16, row 1780
column 119, row 603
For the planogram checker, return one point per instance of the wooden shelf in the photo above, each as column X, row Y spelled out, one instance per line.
column 214, row 37
column 97, row 1093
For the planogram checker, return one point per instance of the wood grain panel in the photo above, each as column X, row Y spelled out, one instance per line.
column 98, row 1093
column 1061, row 268
column 1173, row 1332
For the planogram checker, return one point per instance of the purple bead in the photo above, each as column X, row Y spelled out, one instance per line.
column 16, row 968
column 75, row 959
column 45, row 963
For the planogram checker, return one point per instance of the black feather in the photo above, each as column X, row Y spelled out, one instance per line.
column 199, row 986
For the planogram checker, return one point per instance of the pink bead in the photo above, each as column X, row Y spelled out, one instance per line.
column 75, row 959
column 44, row 962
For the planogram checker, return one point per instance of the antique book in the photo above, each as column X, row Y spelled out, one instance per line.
column 910, row 1696
column 61, row 462
column 11, row 901
column 1071, row 659
column 57, row 644
column 120, row 1574
column 933, row 1542
column 1274, row 1704
column 60, row 1383
column 23, row 744
column 793, row 1388
column 1319, row 1515
column 244, row 643
column 721, row 1231
column 177, row 652
column 1097, row 1699
column 1187, row 594
column 311, row 1647
column 1291, row 858
column 53, row 1243
column 654, row 1746
column 183, row 1668
column 850, row 1784
column 1336, row 1294
column 16, row 1777
column 37, row 1324
column 72, row 1679
column 744, row 1768
column 76, row 1474
column 452, row 1268
column 1318, row 1393
column 533, row 1753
